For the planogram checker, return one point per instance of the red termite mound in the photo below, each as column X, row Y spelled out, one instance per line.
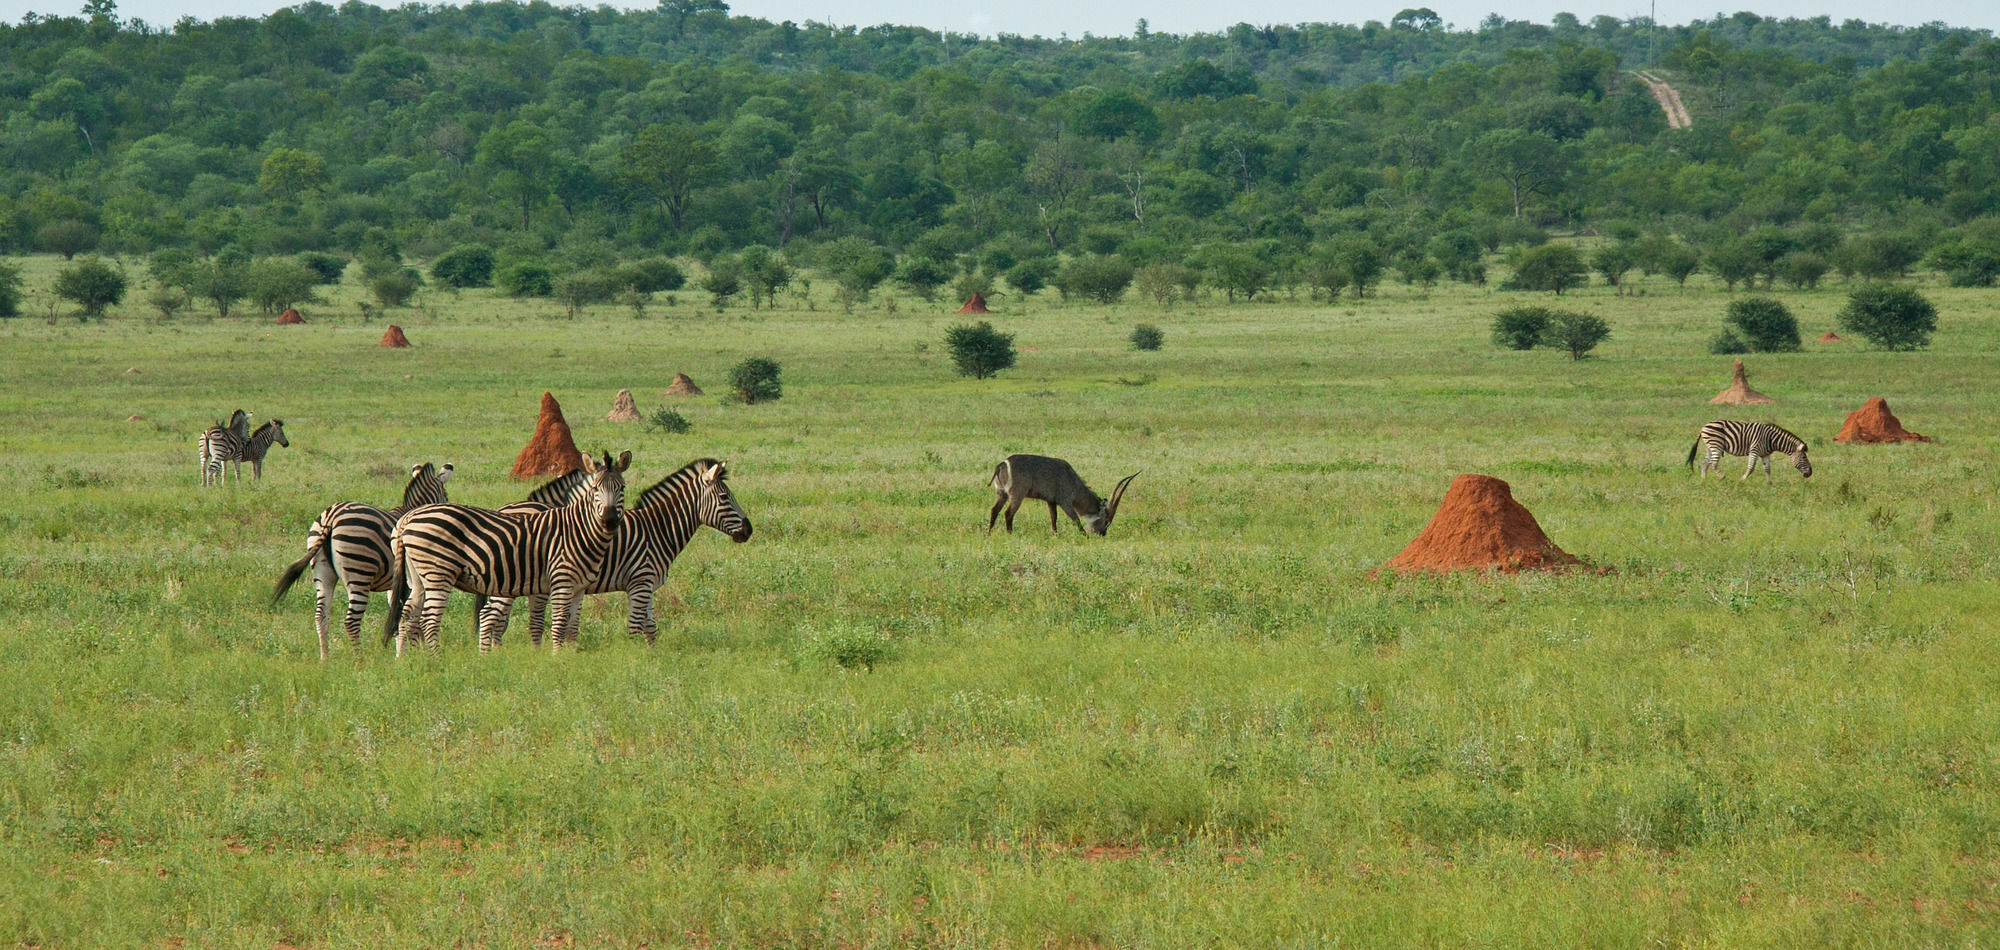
column 683, row 386
column 1873, row 422
column 551, row 451
column 1739, row 391
column 976, row 304
column 394, row 337
column 1830, row 337
column 290, row 315
column 1481, row 527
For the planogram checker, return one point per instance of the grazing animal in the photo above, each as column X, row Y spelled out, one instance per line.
column 1755, row 439
column 349, row 543
column 558, row 552
column 643, row 548
column 229, row 447
column 215, row 441
column 1021, row 477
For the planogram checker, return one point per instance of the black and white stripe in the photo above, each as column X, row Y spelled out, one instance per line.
column 215, row 441
column 558, row 552
column 219, row 445
column 1758, row 440
column 349, row 543
column 643, row 548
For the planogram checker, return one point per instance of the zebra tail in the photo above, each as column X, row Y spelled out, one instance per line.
column 1692, row 450
column 397, row 598
column 291, row 576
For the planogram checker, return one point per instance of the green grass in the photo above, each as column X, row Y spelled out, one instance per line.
column 873, row 724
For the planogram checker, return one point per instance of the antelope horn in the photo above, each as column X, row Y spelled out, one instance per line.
column 1111, row 507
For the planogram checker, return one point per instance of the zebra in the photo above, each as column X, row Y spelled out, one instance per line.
column 215, row 438
column 1755, row 439
column 557, row 552
column 643, row 548
column 235, row 449
column 349, row 542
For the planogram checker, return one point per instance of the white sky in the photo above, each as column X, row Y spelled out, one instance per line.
column 1116, row 17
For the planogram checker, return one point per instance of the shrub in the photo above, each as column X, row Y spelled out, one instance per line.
column 1031, row 275
column 1100, row 277
column 669, row 421
column 1551, row 267
column 395, row 289
column 764, row 271
column 973, row 282
column 326, row 268
column 1802, row 269
column 1890, row 316
column 1679, row 262
column 1766, row 325
column 167, row 300
column 527, row 279
column 68, row 238
column 1146, row 336
column 756, row 380
column 277, row 284
column 585, row 287
column 10, row 289
column 467, row 265
column 923, row 276
column 1967, row 262
column 222, row 282
column 1575, row 333
column 652, row 275
column 978, row 350
column 1727, row 343
column 92, row 285
column 724, row 280
column 1520, row 328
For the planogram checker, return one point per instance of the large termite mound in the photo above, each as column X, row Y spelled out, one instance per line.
column 976, row 304
column 1873, row 422
column 394, row 337
column 623, row 409
column 1830, row 337
column 551, row 451
column 1481, row 527
column 1739, row 391
column 290, row 315
column 683, row 386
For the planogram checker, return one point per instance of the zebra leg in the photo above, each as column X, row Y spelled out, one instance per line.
column 492, row 624
column 412, row 604
column 257, row 468
column 538, row 617
column 639, row 620
column 357, row 606
column 562, row 608
column 435, row 596
column 1752, row 468
column 323, row 581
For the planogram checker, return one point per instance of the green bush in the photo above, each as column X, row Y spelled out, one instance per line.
column 652, row 275
column 1727, row 343
column 978, row 350
column 1520, row 328
column 467, row 265
column 1146, row 336
column 724, row 280
column 1100, row 277
column 1575, row 333
column 92, row 285
column 669, row 421
column 1766, row 325
column 277, row 284
column 1890, row 316
column 326, row 268
column 756, row 380
column 395, row 289
column 1031, row 275
column 1551, row 267
column 526, row 279
column 10, row 289
column 582, row 288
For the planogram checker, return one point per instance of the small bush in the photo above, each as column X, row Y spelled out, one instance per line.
column 978, row 350
column 1727, row 343
column 467, row 265
column 92, row 285
column 1890, row 316
column 1575, row 333
column 1100, row 277
column 756, row 380
column 278, row 284
column 526, row 279
column 582, row 288
column 10, row 289
column 326, row 268
column 1766, row 325
column 396, row 288
column 848, row 647
column 652, row 275
column 668, row 421
column 1146, row 336
column 1520, row 328
column 1031, row 275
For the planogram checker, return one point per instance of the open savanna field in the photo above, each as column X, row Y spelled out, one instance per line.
column 1773, row 721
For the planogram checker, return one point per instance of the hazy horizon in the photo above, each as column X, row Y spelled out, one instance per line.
column 1118, row 17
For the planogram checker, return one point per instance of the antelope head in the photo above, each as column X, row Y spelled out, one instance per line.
column 1102, row 524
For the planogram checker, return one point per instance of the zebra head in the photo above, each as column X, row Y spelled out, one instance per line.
column 604, row 491
column 277, row 427
column 716, row 506
column 1800, row 462
column 426, row 486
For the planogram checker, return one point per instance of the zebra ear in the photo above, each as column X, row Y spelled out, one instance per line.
column 445, row 475
column 624, row 460
column 710, row 473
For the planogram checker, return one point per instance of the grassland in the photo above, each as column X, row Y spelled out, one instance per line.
column 1773, row 725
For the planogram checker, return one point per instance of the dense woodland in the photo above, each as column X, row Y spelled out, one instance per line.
column 540, row 141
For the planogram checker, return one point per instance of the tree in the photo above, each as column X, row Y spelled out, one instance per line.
column 1551, row 267
column 1520, row 328
column 756, row 380
column 858, row 265
column 467, row 265
column 1358, row 257
column 1575, row 333
column 1890, row 316
column 275, row 285
column 10, row 289
column 580, row 289
column 1766, row 325
column 1161, row 282
column 519, row 160
column 68, row 238
column 1528, row 162
column 224, row 280
column 724, row 280
column 394, row 289
column 1100, row 277
column 1967, row 261
column 290, row 173
column 664, row 165
column 652, row 275
column 1238, row 270
column 1881, row 256
column 764, row 271
column 92, row 285
column 526, row 279
column 326, row 268
column 1613, row 261
column 923, row 275
column 1679, row 262
column 1032, row 274
column 1801, row 270
column 978, row 350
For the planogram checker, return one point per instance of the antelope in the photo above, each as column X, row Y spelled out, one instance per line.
column 1021, row 477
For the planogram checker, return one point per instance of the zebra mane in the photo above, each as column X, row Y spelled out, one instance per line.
column 559, row 491
column 267, row 426
column 1781, row 430
column 664, row 486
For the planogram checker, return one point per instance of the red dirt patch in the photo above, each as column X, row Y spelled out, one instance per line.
column 976, row 304
column 394, row 337
column 551, row 451
column 1739, row 391
column 1829, row 337
column 1481, row 527
column 683, row 386
column 1873, row 422
column 290, row 316
column 623, row 409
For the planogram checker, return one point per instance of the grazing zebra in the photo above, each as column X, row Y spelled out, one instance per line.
column 557, row 552
column 643, row 548
column 1755, row 439
column 349, row 543
column 229, row 447
column 215, row 438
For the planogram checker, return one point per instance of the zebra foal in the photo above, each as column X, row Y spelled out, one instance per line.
column 557, row 552
column 215, row 439
column 643, row 549
column 349, row 543
column 1758, row 440
column 225, row 444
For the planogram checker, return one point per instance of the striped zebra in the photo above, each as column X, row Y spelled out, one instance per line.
column 228, row 446
column 349, row 543
column 643, row 548
column 557, row 552
column 215, row 438
column 1755, row 439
